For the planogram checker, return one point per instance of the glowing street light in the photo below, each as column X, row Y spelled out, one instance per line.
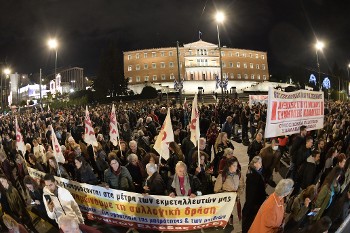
column 220, row 17
column 52, row 43
column 6, row 72
column 319, row 46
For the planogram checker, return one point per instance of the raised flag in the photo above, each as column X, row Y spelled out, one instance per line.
column 57, row 151
column 185, row 104
column 165, row 136
column 113, row 128
column 194, row 124
column 19, row 140
column 89, row 136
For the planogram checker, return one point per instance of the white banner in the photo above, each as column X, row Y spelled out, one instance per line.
column 255, row 99
column 56, row 147
column 287, row 111
column 113, row 128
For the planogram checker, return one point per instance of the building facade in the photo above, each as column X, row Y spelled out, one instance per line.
column 74, row 77
column 199, row 62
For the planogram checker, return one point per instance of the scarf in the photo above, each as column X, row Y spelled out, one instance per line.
column 186, row 185
column 117, row 173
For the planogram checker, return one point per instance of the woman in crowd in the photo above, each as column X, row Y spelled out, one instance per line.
column 221, row 144
column 34, row 163
column 83, row 172
column 12, row 225
column 271, row 214
column 212, row 134
column 203, row 172
column 255, row 193
column 154, row 184
column 117, row 176
column 121, row 153
column 57, row 169
column 28, row 151
column 22, row 169
column 136, row 171
column 175, row 156
column 228, row 154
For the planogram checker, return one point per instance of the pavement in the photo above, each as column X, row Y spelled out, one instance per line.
column 240, row 153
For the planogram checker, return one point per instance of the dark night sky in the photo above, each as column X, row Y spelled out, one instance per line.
column 286, row 29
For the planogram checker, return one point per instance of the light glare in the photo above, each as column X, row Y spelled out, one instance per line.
column 220, row 17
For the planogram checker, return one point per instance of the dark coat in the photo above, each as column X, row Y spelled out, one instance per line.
column 85, row 175
column 156, row 185
column 307, row 173
column 254, row 149
column 123, row 181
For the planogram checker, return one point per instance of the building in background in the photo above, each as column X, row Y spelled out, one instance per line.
column 199, row 67
column 73, row 78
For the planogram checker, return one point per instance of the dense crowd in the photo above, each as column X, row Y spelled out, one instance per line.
column 316, row 188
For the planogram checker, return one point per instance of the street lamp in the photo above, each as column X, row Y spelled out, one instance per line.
column 52, row 43
column 6, row 72
column 220, row 17
column 319, row 46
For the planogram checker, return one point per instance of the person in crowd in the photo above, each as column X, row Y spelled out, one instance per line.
column 57, row 169
column 134, row 149
column 151, row 127
column 300, row 207
column 58, row 201
column 203, row 172
column 227, row 127
column 28, row 151
column 244, row 121
column 175, row 156
column 255, row 193
column 16, row 204
column 126, row 132
column 6, row 167
column 117, row 176
column 34, row 163
column 271, row 214
column 221, row 144
column 194, row 150
column 71, row 225
column 255, row 146
column 143, row 140
column 183, row 184
column 83, row 172
column 212, row 134
column 12, row 225
column 307, row 173
column 136, row 171
column 321, row 226
column 98, row 150
column 282, row 145
column 254, row 124
column 340, row 210
column 39, row 152
column 270, row 156
column 186, row 144
column 21, row 169
column 228, row 154
column 154, row 184
column 121, row 152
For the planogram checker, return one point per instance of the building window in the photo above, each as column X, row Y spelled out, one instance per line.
column 264, row 77
column 238, row 65
column 232, row 76
column 231, row 64
column 239, row 76
column 129, row 57
column 222, row 53
column 154, row 66
column 137, row 78
column 251, row 65
column 154, row 78
column 252, row 76
column 129, row 68
column 263, row 67
column 256, row 56
column 172, row 76
column 223, row 64
column 171, row 64
column 237, row 54
column 162, row 54
column 163, row 76
column 144, row 55
column 130, row 79
column 170, row 53
column 244, row 55
column 145, row 66
column 146, row 78
column 262, row 57
column 162, row 65
column 245, row 65
column 258, row 76
column 154, row 54
column 250, row 55
column 245, row 76
column 257, row 66
column 137, row 56
column 137, row 67
column 230, row 54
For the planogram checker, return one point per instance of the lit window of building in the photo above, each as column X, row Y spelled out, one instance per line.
column 170, row 53
column 222, row 53
column 264, row 77
column 252, row 76
column 263, row 67
column 257, row 66
column 137, row 67
column 171, row 64
column 154, row 66
column 162, row 65
column 238, row 65
column 137, row 56
column 245, row 65
column 256, row 56
column 262, row 57
column 162, row 54
column 145, row 66
column 129, row 57
column 244, row 55
column 154, row 54
column 163, row 76
column 238, row 76
column 130, row 79
column 130, row 68
column 245, row 76
column 223, row 64
column 250, row 55
column 172, row 76
column 237, row 54
column 154, row 78
column 231, row 64
column 137, row 78
column 144, row 55
column 232, row 76
column 251, row 65
column 146, row 78
column 258, row 77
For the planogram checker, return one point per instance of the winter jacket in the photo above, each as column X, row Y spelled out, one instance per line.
column 85, row 175
column 155, row 185
column 123, row 181
column 307, row 173
column 232, row 183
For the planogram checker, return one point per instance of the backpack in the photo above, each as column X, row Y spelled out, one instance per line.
column 290, row 204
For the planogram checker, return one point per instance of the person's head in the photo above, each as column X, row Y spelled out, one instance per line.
column 19, row 159
column 28, row 147
column 79, row 162
column 333, row 176
column 53, row 163
column 309, row 142
column 68, row 224
column 133, row 145
column 148, row 119
column 4, row 182
column 133, row 159
column 332, row 152
column 113, row 162
column 30, row 183
column 231, row 166
column 32, row 158
column 321, row 144
column 122, row 145
column 258, row 137
column 284, row 187
column 202, row 143
column 316, row 154
column 228, row 153
column 181, row 169
column 256, row 163
column 274, row 144
column 9, row 222
column 303, row 131
column 151, row 168
column 341, row 160
column 35, row 142
column 310, row 192
column 212, row 125
column 223, row 136
column 229, row 119
column 50, row 182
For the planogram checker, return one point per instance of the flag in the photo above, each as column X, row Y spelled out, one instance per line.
column 165, row 136
column 19, row 140
column 113, row 128
column 57, row 151
column 185, row 104
column 48, row 108
column 212, row 153
column 200, row 35
column 89, row 136
column 194, row 124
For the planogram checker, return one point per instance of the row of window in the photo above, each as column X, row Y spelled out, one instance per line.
column 200, row 62
column 199, row 52
column 172, row 77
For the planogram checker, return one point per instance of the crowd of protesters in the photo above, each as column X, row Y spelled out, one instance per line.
column 314, row 195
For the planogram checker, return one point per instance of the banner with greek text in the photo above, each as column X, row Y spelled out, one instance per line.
column 255, row 99
column 160, row 213
column 287, row 111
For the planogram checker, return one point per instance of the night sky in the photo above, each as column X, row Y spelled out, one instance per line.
column 287, row 30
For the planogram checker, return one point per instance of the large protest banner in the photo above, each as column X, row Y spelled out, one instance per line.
column 287, row 111
column 255, row 99
column 160, row 213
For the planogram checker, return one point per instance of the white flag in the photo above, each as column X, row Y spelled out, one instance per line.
column 57, row 151
column 89, row 136
column 194, row 124
column 165, row 136
column 185, row 106
column 113, row 128
column 48, row 108
column 19, row 140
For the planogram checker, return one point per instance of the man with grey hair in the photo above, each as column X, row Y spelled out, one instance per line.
column 194, row 151
column 270, row 215
column 70, row 225
column 255, row 146
column 134, row 149
column 154, row 182
column 151, row 127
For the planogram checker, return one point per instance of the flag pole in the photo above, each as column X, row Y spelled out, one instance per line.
column 58, row 166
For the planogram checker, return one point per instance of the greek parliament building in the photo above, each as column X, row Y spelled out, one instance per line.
column 199, row 68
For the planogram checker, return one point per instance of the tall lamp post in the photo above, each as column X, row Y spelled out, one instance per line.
column 220, row 17
column 52, row 43
column 319, row 46
column 6, row 71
